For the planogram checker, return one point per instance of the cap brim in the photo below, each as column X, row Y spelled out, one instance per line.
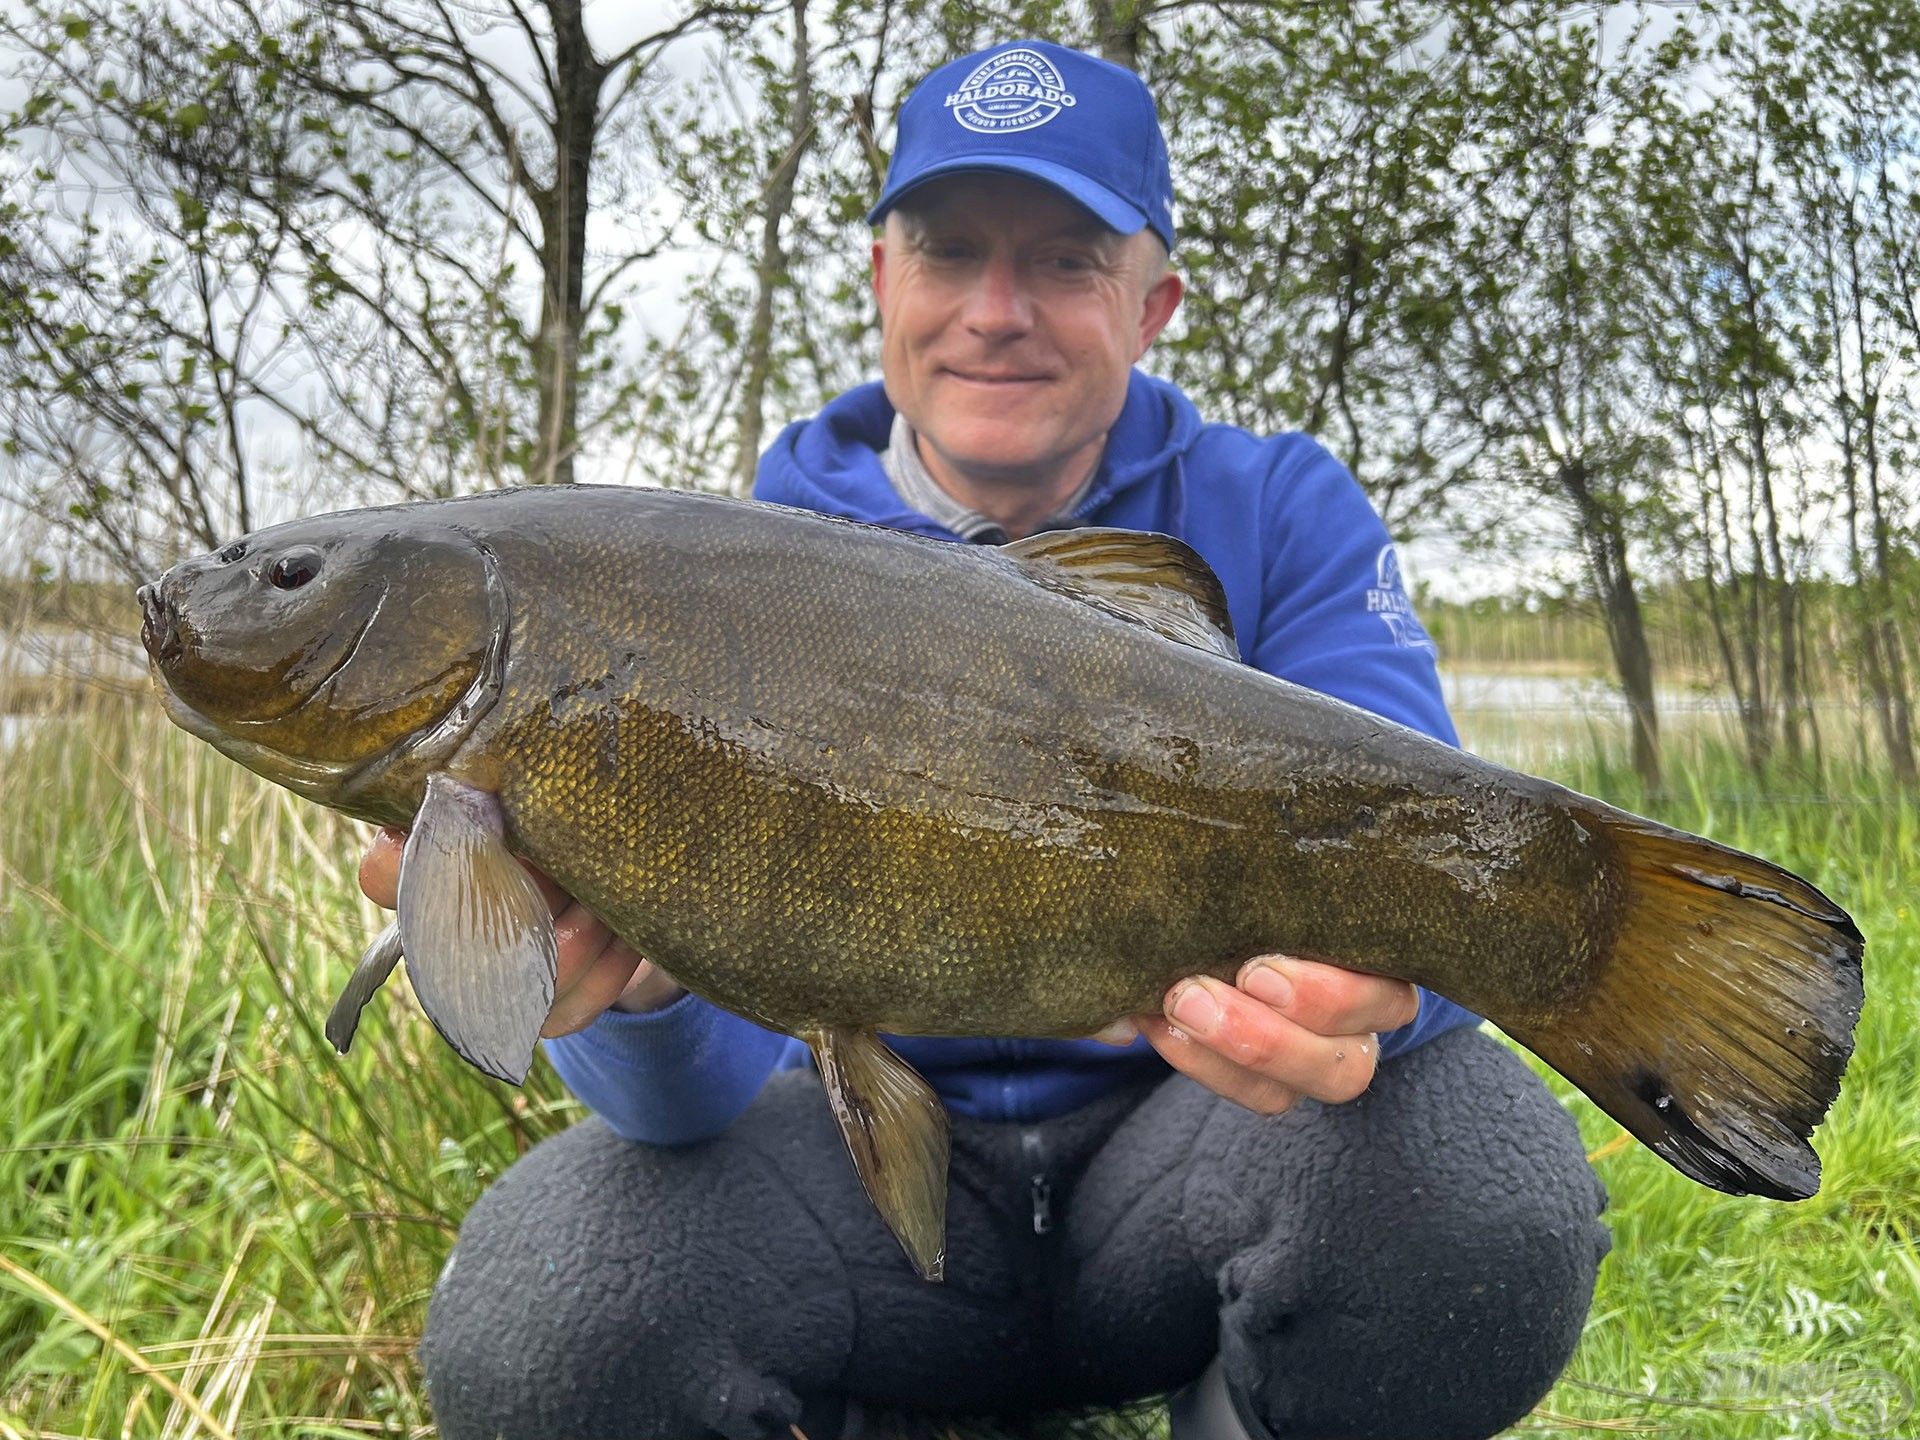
column 1107, row 207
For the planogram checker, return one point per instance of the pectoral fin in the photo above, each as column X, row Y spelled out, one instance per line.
column 477, row 932
column 368, row 976
column 896, row 1131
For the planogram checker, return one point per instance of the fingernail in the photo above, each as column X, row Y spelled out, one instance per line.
column 1194, row 1007
column 1268, row 983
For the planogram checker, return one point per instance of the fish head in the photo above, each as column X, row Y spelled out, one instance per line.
column 322, row 652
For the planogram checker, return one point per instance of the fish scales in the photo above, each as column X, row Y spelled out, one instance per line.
column 846, row 781
column 1028, row 820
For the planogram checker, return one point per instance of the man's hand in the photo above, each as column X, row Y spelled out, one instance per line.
column 596, row 970
column 1286, row 1028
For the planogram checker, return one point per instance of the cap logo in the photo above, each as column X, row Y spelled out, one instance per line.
column 1015, row 90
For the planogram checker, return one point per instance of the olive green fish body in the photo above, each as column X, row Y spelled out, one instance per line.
column 843, row 781
column 916, row 789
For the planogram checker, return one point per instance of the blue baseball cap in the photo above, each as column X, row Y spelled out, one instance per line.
column 1071, row 120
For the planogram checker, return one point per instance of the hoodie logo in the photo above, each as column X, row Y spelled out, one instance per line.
column 1387, row 598
column 1015, row 90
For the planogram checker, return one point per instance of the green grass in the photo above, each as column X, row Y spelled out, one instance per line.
column 188, row 1168
column 1756, row 1319
column 186, row 1162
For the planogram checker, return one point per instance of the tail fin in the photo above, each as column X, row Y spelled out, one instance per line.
column 1720, row 1024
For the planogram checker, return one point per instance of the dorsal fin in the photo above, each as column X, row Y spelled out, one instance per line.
column 1152, row 580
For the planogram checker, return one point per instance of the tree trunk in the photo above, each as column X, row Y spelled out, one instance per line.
column 562, row 207
column 1117, row 28
column 1716, row 615
column 1775, row 581
column 1866, row 622
column 1605, row 541
column 1879, row 596
column 771, row 270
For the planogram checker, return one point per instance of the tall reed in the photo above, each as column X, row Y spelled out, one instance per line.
column 211, row 1224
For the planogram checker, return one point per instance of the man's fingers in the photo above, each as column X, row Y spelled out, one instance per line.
column 1327, row 999
column 380, row 867
column 558, row 900
column 605, row 978
column 1252, row 1034
column 579, row 937
column 1193, row 1058
column 594, row 969
column 380, row 872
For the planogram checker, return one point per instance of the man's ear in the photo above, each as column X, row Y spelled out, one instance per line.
column 880, row 273
column 1162, row 299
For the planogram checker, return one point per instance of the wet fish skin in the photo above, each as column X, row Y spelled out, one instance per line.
column 843, row 780
column 959, row 840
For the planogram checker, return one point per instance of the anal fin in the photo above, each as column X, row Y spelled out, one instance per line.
column 896, row 1131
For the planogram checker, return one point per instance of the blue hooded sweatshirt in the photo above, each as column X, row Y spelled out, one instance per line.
column 1314, row 589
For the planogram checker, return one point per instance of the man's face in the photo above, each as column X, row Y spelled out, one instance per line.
column 1010, row 318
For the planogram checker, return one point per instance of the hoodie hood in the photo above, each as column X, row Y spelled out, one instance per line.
column 831, row 463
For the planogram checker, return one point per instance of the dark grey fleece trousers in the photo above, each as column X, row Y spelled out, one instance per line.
column 1417, row 1263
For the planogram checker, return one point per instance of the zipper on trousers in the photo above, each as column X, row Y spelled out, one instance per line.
column 1039, row 1189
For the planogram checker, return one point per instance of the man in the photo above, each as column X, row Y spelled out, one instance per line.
column 1349, row 1214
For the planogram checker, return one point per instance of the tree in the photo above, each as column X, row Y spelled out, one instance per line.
column 1848, row 150
column 1530, row 347
column 334, row 230
column 1314, row 154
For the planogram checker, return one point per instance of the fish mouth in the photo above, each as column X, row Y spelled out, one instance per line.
column 159, row 625
column 164, row 637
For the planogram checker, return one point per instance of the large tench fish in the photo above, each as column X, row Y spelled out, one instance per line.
column 842, row 780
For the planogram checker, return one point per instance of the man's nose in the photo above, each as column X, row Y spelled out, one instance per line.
column 998, row 304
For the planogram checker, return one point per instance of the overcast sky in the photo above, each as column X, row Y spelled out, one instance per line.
column 1443, row 562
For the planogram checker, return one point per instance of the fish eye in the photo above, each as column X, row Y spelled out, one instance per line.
column 293, row 570
column 232, row 553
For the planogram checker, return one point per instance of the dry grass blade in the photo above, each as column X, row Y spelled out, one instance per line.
column 32, row 1282
column 199, row 1358
column 237, row 1375
column 1612, row 1147
column 1545, row 1419
column 353, row 1359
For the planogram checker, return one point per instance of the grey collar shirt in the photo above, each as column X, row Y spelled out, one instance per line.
column 920, row 490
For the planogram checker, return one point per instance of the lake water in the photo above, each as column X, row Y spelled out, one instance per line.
column 1509, row 693
column 1541, row 722
column 61, row 653
column 57, row 655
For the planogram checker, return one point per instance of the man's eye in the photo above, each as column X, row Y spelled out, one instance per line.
column 1071, row 264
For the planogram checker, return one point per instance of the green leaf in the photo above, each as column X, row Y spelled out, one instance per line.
column 193, row 212
column 190, row 117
